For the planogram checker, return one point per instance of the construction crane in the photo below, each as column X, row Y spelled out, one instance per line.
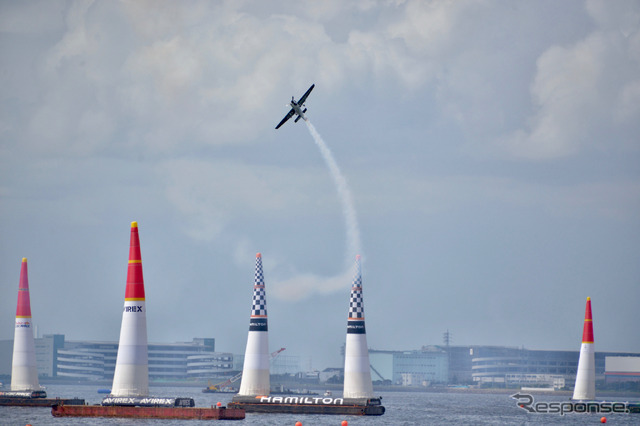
column 275, row 354
column 377, row 372
column 220, row 387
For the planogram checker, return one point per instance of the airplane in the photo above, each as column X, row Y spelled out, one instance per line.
column 296, row 108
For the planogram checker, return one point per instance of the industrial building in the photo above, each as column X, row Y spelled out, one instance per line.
column 622, row 369
column 91, row 360
column 423, row 367
column 485, row 366
column 495, row 366
column 95, row 360
column 512, row 367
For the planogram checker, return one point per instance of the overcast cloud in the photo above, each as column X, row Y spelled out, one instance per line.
column 491, row 150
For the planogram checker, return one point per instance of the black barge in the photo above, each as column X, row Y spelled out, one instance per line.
column 309, row 405
column 34, row 399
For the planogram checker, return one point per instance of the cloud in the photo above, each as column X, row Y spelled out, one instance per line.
column 428, row 27
column 455, row 123
column 285, row 282
column 26, row 18
column 581, row 93
column 213, row 194
column 303, row 286
column 181, row 75
column 156, row 78
column 628, row 103
column 623, row 16
column 437, row 196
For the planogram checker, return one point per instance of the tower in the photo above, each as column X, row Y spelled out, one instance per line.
column 255, row 372
column 585, row 388
column 131, row 376
column 24, row 370
column 357, row 370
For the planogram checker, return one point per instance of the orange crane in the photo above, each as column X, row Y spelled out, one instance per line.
column 276, row 353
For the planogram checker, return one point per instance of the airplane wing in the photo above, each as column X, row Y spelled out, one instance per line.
column 304, row 97
column 286, row 117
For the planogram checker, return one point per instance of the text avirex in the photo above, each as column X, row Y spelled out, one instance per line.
column 133, row 309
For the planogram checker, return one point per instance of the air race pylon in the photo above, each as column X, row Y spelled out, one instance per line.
column 255, row 373
column 24, row 370
column 131, row 376
column 357, row 371
column 585, row 388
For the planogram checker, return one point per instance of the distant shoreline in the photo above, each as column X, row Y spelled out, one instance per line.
column 338, row 387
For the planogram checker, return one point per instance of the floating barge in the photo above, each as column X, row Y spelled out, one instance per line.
column 34, row 399
column 195, row 413
column 148, row 408
column 309, row 405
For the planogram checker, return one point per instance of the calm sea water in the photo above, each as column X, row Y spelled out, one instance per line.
column 402, row 408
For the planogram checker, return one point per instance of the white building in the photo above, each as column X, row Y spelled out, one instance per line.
column 622, row 369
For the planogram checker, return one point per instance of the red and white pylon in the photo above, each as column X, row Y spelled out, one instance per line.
column 131, row 376
column 585, row 388
column 24, row 370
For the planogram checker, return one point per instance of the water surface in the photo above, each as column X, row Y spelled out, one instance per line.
column 402, row 408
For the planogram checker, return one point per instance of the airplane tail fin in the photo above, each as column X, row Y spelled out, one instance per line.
column 297, row 118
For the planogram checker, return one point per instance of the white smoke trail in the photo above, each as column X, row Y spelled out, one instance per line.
column 353, row 233
column 304, row 285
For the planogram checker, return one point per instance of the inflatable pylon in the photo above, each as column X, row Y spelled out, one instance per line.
column 585, row 388
column 24, row 370
column 357, row 370
column 255, row 372
column 131, row 376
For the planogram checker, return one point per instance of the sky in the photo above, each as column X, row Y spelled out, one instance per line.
column 487, row 157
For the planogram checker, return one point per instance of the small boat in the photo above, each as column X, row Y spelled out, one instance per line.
column 327, row 393
column 216, row 389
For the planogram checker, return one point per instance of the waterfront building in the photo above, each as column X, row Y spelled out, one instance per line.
column 96, row 360
column 167, row 361
column 494, row 366
column 504, row 366
column 417, row 368
column 207, row 365
column 622, row 369
column 81, row 364
column 183, row 361
column 485, row 366
column 46, row 349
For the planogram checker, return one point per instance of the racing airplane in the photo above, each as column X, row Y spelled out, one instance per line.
column 296, row 108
